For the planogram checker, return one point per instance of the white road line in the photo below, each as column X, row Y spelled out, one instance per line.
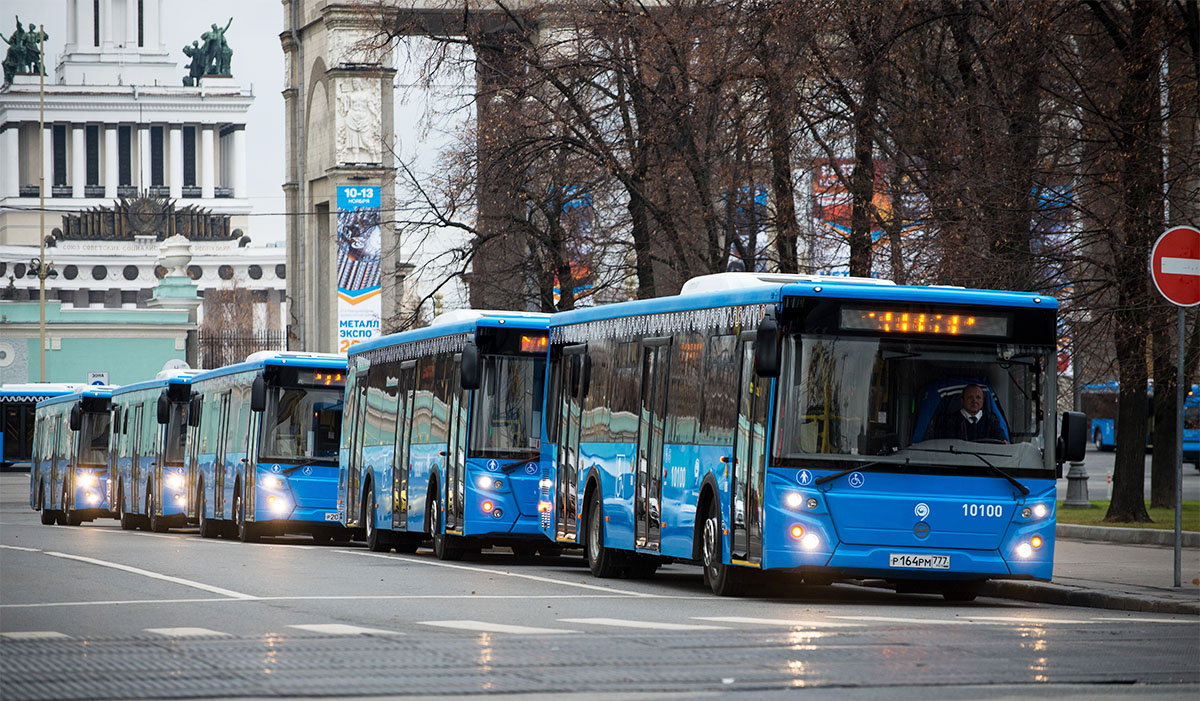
column 1023, row 620
column 649, row 625
column 485, row 570
column 155, row 575
column 341, row 629
column 331, row 597
column 17, row 547
column 33, row 635
column 784, row 622
column 1144, row 620
column 909, row 621
column 187, row 632
column 486, row 627
column 120, row 602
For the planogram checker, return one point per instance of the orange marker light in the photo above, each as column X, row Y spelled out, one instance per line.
column 797, row 531
column 1036, row 541
column 487, row 507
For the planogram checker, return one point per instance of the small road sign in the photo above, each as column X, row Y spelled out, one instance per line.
column 97, row 378
column 1175, row 265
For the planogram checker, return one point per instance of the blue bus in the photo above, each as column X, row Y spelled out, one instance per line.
column 262, row 441
column 18, row 403
column 1099, row 402
column 442, row 436
column 811, row 425
column 68, row 478
column 151, row 484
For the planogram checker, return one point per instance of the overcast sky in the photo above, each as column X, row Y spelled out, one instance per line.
column 257, row 64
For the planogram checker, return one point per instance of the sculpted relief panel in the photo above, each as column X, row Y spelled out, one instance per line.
column 358, row 136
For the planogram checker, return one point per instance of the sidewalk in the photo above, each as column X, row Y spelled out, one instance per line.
column 1125, row 569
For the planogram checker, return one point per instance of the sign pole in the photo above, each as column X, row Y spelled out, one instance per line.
column 1179, row 450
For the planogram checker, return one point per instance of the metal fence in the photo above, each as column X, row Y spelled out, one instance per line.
column 220, row 348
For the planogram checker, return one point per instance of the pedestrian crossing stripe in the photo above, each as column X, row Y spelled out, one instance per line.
column 341, row 629
column 783, row 622
column 648, row 625
column 488, row 627
column 187, row 632
column 33, row 635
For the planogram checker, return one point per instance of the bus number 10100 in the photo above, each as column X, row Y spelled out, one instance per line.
column 985, row 510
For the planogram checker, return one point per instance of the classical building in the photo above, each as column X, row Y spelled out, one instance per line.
column 131, row 155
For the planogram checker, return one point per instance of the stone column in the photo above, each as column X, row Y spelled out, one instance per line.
column 83, row 24
column 106, row 25
column 175, row 182
column 48, row 159
column 111, row 158
column 131, row 41
column 78, row 160
column 208, row 162
column 238, row 171
column 12, row 163
column 144, row 157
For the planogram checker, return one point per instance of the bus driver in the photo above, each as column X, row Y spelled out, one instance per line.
column 971, row 422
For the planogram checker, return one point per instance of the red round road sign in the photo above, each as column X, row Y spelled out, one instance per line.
column 1175, row 265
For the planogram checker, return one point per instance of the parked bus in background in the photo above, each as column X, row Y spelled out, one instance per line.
column 150, row 483
column 813, row 425
column 18, row 403
column 443, row 435
column 1099, row 403
column 262, row 442
column 69, row 475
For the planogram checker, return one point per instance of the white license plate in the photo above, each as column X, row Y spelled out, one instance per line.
column 331, row 516
column 919, row 562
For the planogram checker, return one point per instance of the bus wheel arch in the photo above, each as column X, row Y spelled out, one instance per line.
column 431, row 498
column 708, row 494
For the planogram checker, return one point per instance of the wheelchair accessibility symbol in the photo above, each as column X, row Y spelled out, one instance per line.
column 856, row 479
column 531, row 468
column 492, row 465
column 307, row 471
column 804, row 477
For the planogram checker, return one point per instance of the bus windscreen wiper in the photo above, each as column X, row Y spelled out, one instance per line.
column 301, row 462
column 855, row 468
column 993, row 468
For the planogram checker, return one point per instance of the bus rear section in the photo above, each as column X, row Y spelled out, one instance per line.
column 443, row 435
column 69, row 474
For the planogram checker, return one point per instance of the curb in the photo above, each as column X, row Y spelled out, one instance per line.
column 1129, row 536
column 1047, row 593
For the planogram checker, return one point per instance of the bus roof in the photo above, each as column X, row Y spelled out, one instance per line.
column 456, row 322
column 734, row 289
column 37, row 391
column 173, row 379
column 261, row 359
column 98, row 391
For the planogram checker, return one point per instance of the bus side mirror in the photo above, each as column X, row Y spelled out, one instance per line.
column 76, row 418
column 164, row 407
column 469, row 366
column 1072, row 439
column 767, row 347
column 258, row 394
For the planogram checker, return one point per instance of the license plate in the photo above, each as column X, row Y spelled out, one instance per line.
column 331, row 516
column 919, row 562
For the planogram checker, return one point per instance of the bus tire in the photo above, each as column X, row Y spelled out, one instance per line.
column 723, row 579
column 377, row 542
column 48, row 515
column 601, row 560
column 246, row 532
column 70, row 517
column 128, row 520
column 208, row 527
column 1096, row 440
column 443, row 546
column 158, row 524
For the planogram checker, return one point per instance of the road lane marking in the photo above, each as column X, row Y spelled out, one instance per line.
column 341, row 629
column 330, row 597
column 487, row 627
column 649, row 625
column 909, row 621
column 1023, row 620
column 485, row 570
column 1143, row 620
column 155, row 575
column 187, row 632
column 120, row 602
column 784, row 622
column 34, row 635
column 18, row 547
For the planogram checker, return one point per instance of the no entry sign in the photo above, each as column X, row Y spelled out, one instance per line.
column 1175, row 265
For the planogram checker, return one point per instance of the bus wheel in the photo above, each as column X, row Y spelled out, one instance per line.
column 376, row 542
column 443, row 548
column 961, row 591
column 48, row 515
column 128, row 520
column 1096, row 440
column 70, row 517
column 246, row 532
column 208, row 527
column 158, row 524
column 723, row 579
column 599, row 558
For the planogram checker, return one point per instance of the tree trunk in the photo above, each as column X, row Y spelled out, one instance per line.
column 1166, row 409
column 862, row 180
column 787, row 232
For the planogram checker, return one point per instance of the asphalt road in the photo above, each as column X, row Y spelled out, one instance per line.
column 96, row 612
column 1099, row 466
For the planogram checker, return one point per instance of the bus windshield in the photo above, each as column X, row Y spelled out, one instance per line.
column 508, row 406
column 93, row 439
column 302, row 423
column 176, row 433
column 891, row 400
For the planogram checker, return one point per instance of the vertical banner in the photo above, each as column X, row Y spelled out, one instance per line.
column 359, row 252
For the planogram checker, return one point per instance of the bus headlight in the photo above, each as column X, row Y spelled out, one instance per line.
column 175, row 481
column 485, row 482
column 277, row 504
column 272, row 482
column 793, row 500
column 810, row 541
column 1040, row 510
column 93, row 498
column 1024, row 551
column 86, row 479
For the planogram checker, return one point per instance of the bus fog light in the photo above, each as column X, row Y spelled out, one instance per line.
column 179, row 499
column 794, row 500
column 175, row 481
column 487, row 507
column 1024, row 551
column 1036, row 541
column 497, row 513
column 797, row 531
column 93, row 498
column 810, row 541
column 277, row 504
column 812, row 502
column 86, row 479
column 1040, row 510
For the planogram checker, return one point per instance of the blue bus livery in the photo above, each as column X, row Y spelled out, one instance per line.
column 810, row 425
column 151, row 483
column 18, row 404
column 443, row 435
column 68, row 477
column 263, row 438
column 1099, row 402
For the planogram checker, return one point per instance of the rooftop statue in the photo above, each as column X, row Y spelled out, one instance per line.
column 24, row 54
column 210, row 55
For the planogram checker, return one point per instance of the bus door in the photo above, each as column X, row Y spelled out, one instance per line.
column 456, row 455
column 192, row 456
column 219, row 458
column 748, row 476
column 400, row 461
column 135, row 466
column 656, row 354
column 357, row 412
column 571, row 383
column 52, row 491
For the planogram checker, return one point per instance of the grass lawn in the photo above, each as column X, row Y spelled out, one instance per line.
column 1160, row 518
